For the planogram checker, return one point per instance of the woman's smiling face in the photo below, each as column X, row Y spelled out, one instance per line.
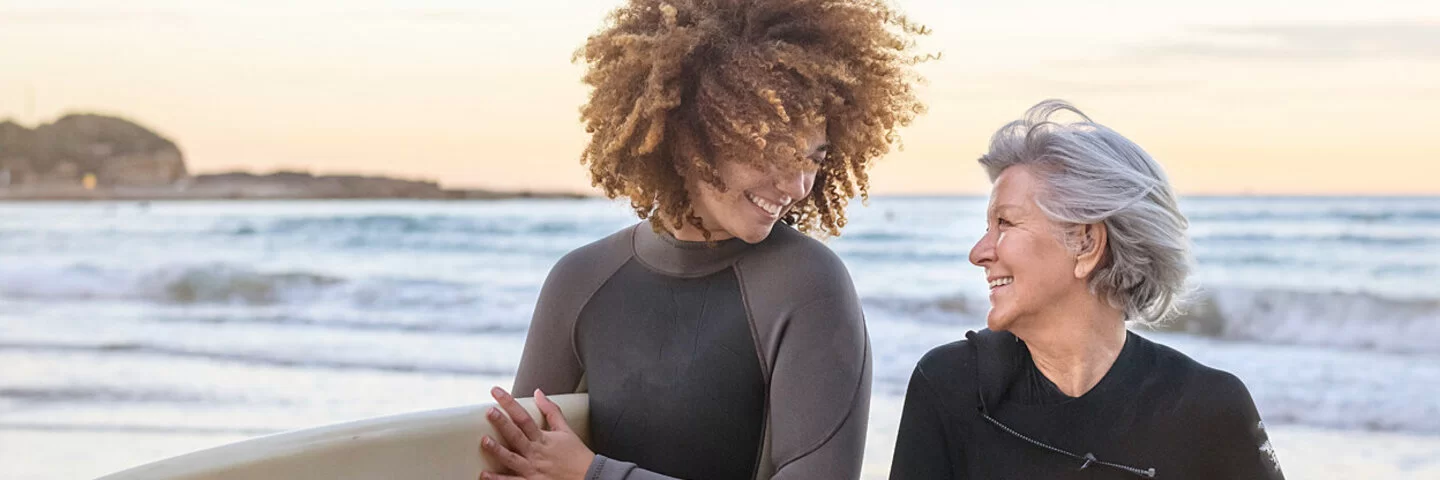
column 1027, row 265
column 756, row 197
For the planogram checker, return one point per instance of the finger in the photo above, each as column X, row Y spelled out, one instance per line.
column 508, row 431
column 553, row 416
column 497, row 476
column 517, row 413
column 510, row 460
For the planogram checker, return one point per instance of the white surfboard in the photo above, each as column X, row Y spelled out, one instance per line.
column 437, row 444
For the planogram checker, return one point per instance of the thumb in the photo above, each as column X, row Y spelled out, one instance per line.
column 553, row 416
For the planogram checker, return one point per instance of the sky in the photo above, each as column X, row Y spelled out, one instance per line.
column 1278, row 97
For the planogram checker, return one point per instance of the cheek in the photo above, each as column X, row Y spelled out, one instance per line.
column 714, row 195
column 1039, row 257
column 1019, row 252
column 1011, row 249
column 727, row 206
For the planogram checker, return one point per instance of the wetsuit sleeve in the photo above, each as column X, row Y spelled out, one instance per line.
column 921, row 449
column 820, row 391
column 1241, row 448
column 550, row 361
column 603, row 468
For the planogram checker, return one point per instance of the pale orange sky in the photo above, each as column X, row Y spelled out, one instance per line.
column 1232, row 96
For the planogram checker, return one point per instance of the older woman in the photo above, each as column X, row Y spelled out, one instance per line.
column 1083, row 234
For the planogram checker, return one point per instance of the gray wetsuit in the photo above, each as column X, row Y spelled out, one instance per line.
column 697, row 356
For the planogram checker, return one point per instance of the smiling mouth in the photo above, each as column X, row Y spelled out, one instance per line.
column 1000, row 282
column 769, row 207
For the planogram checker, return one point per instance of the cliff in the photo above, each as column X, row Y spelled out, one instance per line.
column 113, row 151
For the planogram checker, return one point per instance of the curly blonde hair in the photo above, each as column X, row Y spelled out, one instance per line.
column 680, row 84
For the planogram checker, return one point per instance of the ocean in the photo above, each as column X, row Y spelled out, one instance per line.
column 134, row 331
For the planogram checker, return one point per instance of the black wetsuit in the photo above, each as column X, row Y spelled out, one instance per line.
column 695, row 355
column 1155, row 414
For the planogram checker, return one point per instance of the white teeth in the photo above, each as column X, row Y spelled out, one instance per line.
column 770, row 208
column 1001, row 282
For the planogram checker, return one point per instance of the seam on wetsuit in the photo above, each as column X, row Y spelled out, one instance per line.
column 600, row 467
column 575, row 322
column 765, row 365
column 854, row 391
column 700, row 327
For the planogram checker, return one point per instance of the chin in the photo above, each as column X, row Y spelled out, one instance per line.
column 998, row 321
column 755, row 233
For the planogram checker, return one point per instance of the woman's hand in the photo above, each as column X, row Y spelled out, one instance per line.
column 534, row 454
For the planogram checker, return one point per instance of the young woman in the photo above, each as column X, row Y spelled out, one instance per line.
column 718, row 340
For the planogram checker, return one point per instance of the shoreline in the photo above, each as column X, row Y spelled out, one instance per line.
column 25, row 193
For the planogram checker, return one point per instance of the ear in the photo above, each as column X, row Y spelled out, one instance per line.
column 1094, row 239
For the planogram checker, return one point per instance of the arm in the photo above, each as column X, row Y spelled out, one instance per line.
column 549, row 361
column 921, row 449
column 820, row 391
column 1241, row 448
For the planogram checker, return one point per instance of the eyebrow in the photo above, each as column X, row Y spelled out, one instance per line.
column 1002, row 209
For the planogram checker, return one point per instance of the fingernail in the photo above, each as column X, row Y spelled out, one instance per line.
column 486, row 441
column 493, row 413
column 497, row 391
column 539, row 393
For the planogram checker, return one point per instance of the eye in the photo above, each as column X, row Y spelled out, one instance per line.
column 1003, row 222
column 821, row 155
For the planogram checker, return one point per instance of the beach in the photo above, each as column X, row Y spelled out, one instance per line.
column 1304, row 452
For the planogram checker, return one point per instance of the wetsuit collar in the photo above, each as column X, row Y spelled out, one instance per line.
column 666, row 254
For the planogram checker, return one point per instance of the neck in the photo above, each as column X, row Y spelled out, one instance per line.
column 1076, row 343
column 692, row 234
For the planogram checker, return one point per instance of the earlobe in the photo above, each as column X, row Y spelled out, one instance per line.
column 1082, row 267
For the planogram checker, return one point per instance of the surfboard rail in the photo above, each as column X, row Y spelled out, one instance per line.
column 439, row 444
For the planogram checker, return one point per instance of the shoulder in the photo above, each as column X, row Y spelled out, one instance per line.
column 596, row 257
column 584, row 270
column 1218, row 411
column 803, row 266
column 948, row 360
column 797, row 250
column 1172, row 364
column 1221, row 394
column 1208, row 393
column 947, row 370
column 953, row 370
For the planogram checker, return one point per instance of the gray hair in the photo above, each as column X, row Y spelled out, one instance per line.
column 1094, row 175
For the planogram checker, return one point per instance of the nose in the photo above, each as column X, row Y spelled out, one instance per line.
column 795, row 182
column 983, row 253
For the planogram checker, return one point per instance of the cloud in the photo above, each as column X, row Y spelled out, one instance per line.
column 1398, row 39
